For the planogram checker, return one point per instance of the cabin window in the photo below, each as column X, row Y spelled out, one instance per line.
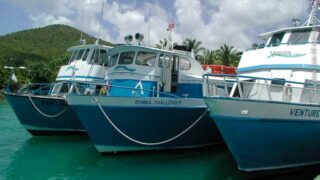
column 85, row 55
column 60, row 88
column 146, row 58
column 185, row 64
column 73, row 56
column 100, row 56
column 276, row 39
column 164, row 60
column 113, row 60
column 103, row 57
column 299, row 37
column 64, row 88
column 79, row 55
column 126, row 57
column 94, row 57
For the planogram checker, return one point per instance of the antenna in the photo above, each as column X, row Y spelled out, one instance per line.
column 82, row 20
column 82, row 41
column 149, row 23
column 97, row 41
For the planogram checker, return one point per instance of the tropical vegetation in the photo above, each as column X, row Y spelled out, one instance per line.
column 41, row 51
column 225, row 55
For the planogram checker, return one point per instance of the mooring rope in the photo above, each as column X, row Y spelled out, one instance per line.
column 46, row 115
column 147, row 143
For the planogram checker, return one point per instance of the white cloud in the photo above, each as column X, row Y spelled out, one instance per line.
column 45, row 19
column 213, row 22
column 235, row 22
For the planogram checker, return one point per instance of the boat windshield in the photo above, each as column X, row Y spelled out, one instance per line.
column 276, row 39
column 126, row 57
column 73, row 56
column 299, row 37
column 60, row 89
column 100, row 57
column 85, row 55
column 113, row 60
column 146, row 58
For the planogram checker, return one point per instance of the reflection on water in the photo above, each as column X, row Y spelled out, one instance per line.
column 74, row 157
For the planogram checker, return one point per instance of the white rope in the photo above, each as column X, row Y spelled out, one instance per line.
column 146, row 143
column 46, row 115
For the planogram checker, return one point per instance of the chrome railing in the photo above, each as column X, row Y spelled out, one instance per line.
column 247, row 87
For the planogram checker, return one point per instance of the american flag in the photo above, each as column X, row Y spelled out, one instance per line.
column 171, row 26
column 313, row 1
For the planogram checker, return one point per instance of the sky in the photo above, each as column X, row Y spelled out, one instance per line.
column 213, row 22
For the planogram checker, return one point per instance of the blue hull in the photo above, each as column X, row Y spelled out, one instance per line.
column 147, row 124
column 38, row 124
column 267, row 142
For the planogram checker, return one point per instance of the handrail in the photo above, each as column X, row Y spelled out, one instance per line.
column 256, row 78
column 263, row 89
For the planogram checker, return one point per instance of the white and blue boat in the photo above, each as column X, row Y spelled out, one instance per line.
column 153, row 101
column 270, row 118
column 42, row 109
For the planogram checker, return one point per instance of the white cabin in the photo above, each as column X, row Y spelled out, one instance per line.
column 87, row 63
column 152, row 70
column 290, row 54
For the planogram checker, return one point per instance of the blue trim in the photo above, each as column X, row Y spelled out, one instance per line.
column 280, row 66
column 124, row 68
column 83, row 77
column 121, row 72
column 242, row 118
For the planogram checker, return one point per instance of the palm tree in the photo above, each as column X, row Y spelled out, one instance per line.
column 164, row 43
column 210, row 57
column 227, row 55
column 194, row 45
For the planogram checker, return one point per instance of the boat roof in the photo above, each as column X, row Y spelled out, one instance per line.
column 268, row 34
column 88, row 46
column 127, row 47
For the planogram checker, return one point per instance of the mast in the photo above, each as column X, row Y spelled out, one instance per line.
column 97, row 41
column 313, row 20
column 149, row 18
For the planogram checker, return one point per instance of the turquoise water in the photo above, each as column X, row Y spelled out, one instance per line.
column 23, row 156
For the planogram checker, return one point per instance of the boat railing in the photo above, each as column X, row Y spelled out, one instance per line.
column 85, row 88
column 104, row 89
column 256, row 88
column 35, row 89
column 48, row 89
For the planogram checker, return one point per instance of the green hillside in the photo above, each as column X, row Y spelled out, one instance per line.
column 41, row 50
